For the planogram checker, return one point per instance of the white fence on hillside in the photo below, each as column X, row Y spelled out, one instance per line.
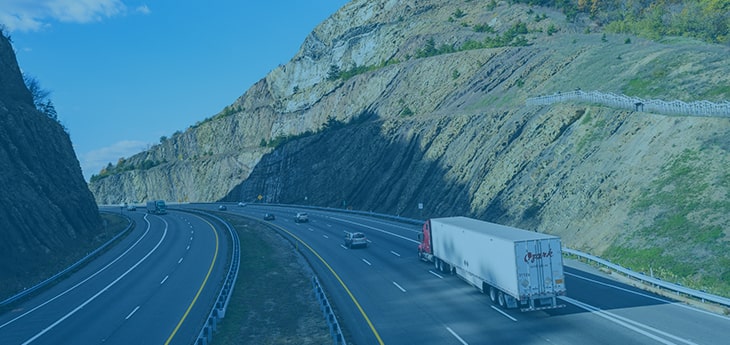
column 699, row 108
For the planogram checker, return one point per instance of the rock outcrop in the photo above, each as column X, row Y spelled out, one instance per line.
column 47, row 212
column 380, row 111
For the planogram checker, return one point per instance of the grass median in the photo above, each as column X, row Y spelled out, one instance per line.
column 273, row 301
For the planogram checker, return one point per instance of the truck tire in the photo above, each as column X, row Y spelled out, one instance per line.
column 501, row 300
column 493, row 294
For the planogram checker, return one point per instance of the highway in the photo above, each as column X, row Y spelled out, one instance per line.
column 156, row 286
column 384, row 295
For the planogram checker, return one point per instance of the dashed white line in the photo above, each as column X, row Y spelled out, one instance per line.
column 400, row 287
column 179, row 261
column 436, row 274
column 310, row 229
column 456, row 336
column 325, row 236
column 188, row 248
column 164, row 280
column 367, row 262
column 343, row 246
column 132, row 313
column 394, row 253
column 505, row 314
column 191, row 238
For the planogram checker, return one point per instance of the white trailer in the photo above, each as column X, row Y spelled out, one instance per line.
column 517, row 268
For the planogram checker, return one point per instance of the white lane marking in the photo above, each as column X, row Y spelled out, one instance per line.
column 310, row 229
column 329, row 225
column 132, row 313
column 85, row 280
column 436, row 274
column 376, row 229
column 325, row 236
column 188, row 248
column 456, row 336
column 179, row 261
column 343, row 246
column 367, row 262
column 400, row 287
column 505, row 314
column 630, row 324
column 394, row 253
column 191, row 238
column 164, row 280
column 45, row 330
column 649, row 296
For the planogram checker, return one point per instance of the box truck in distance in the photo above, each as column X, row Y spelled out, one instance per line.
column 516, row 268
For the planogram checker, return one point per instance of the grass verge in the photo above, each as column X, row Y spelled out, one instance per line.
column 273, row 301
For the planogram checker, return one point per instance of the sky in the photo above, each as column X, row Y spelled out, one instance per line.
column 124, row 73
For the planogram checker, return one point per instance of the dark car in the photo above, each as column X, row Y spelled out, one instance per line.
column 222, row 207
column 269, row 216
column 355, row 239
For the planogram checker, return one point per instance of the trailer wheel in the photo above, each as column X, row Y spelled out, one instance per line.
column 493, row 294
column 501, row 300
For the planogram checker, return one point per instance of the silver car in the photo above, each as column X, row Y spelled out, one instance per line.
column 355, row 239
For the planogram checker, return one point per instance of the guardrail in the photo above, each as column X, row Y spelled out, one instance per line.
column 42, row 284
column 700, row 295
column 218, row 310
column 324, row 305
column 698, row 108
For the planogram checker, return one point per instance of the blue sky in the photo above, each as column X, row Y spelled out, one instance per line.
column 123, row 73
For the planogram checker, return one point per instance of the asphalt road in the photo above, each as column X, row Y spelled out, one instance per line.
column 155, row 287
column 384, row 295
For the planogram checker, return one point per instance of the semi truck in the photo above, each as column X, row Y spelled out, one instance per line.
column 516, row 268
column 156, row 207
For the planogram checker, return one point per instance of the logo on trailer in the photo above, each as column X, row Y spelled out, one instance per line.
column 531, row 257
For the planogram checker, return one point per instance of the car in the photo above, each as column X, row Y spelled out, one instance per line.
column 355, row 239
column 241, row 204
column 269, row 216
column 301, row 217
column 131, row 207
column 222, row 207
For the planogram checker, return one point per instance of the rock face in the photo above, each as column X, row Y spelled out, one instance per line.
column 47, row 211
column 367, row 116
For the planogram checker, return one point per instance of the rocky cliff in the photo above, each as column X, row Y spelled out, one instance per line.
column 47, row 213
column 392, row 104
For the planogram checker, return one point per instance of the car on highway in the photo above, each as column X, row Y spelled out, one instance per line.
column 222, row 207
column 131, row 207
column 269, row 216
column 241, row 204
column 355, row 239
column 301, row 217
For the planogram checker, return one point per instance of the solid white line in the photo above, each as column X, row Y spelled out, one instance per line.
column 505, row 314
column 45, row 330
column 394, row 253
column 132, row 313
column 367, row 262
column 649, row 296
column 164, row 280
column 85, row 280
column 436, row 274
column 625, row 322
column 179, row 261
column 456, row 336
column 400, row 287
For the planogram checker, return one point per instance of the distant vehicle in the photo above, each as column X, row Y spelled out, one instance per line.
column 241, row 204
column 131, row 207
column 222, row 207
column 515, row 267
column 355, row 239
column 269, row 216
column 156, row 207
column 301, row 217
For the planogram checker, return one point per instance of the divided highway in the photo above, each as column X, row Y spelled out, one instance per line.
column 154, row 287
column 384, row 295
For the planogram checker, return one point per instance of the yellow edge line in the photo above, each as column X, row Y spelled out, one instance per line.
column 205, row 281
column 354, row 300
